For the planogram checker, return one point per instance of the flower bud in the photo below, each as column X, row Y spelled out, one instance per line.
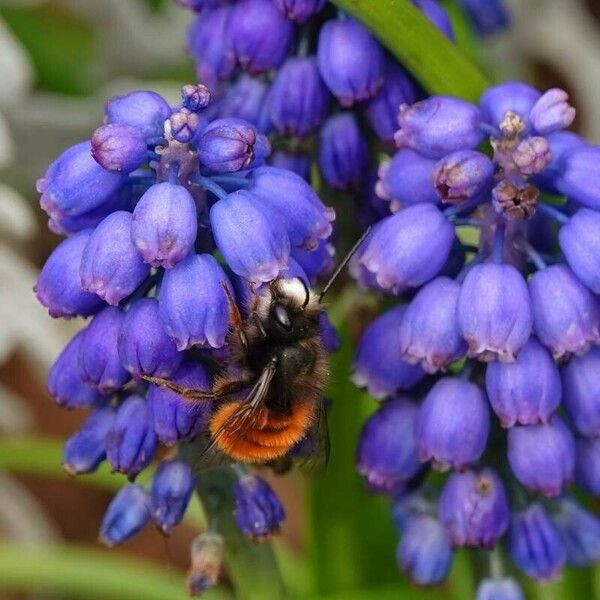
column 438, row 126
column 587, row 467
column 208, row 551
column 560, row 143
column 131, row 442
column 184, row 124
column 195, row 96
column 331, row 340
column 164, row 224
column 86, row 448
column 496, row 325
column 436, row 15
column 318, row 263
column 111, row 266
column 299, row 10
column 377, row 364
column 252, row 239
column 297, row 162
column 508, row 97
column 527, row 391
column 474, row 509
column 532, row 155
column 343, row 152
column 127, row 513
column 535, row 544
column 579, row 175
column 172, row 488
column 499, row 589
column 99, row 363
column 119, row 147
column 351, row 61
column 462, row 175
column 552, row 112
column 173, row 417
column 246, row 99
column 387, row 453
column 146, row 111
column 542, row 457
column 580, row 533
column 489, row 17
column 566, row 315
column 257, row 510
column 143, row 344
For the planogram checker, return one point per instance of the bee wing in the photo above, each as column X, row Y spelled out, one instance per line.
column 311, row 455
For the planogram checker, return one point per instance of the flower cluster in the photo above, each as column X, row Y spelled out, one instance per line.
column 498, row 335
column 167, row 213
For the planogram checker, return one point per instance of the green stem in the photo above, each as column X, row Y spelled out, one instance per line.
column 428, row 54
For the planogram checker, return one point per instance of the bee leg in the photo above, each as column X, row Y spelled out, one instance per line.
column 187, row 393
column 235, row 318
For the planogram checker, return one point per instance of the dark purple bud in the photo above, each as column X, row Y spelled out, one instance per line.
column 99, row 362
column 387, row 452
column 552, row 112
column 291, row 199
column 252, row 238
column 439, row 125
column 535, row 544
column 144, row 110
column 208, row 551
column 164, row 224
column 532, row 155
column 377, row 365
column 581, row 392
column 424, row 552
column 489, row 17
column 579, row 175
column 406, row 179
column 499, row 589
column 343, row 152
column 297, row 162
column 299, row 10
column 587, row 465
column 560, row 143
column 462, row 175
column 260, row 35
column 144, row 346
column 111, row 265
column 131, row 442
column 245, row 99
column 175, row 418
column 496, row 325
column 58, row 287
column 436, row 15
column 192, row 302
column 509, row 97
column 527, row 391
column 429, row 333
column 351, row 61
column 86, row 448
column 542, row 457
column 566, row 314
column 453, row 410
column 331, row 340
column 318, row 263
column 297, row 98
column 75, row 184
column 127, row 513
column 195, row 96
column 184, row 123
column 474, row 508
column 257, row 510
column 119, row 147
column 382, row 110
column 580, row 533
column 409, row 248
column 172, row 488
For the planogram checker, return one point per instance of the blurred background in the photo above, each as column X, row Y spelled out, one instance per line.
column 60, row 60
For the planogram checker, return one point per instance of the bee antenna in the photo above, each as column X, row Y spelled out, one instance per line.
column 344, row 262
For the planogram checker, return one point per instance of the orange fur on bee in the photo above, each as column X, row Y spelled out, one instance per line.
column 270, row 436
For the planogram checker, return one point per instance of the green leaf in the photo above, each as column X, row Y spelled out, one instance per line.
column 431, row 57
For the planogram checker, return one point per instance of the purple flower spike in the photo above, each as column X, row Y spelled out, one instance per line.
column 164, row 224
column 579, row 175
column 542, row 457
column 246, row 100
column 86, row 448
column 527, row 391
column 173, row 417
column 587, row 466
column 429, row 333
column 462, row 175
column 377, row 365
column 535, row 544
column 127, row 513
column 299, row 10
column 99, row 362
column 143, row 344
column 438, row 126
column 387, row 452
column 195, row 96
column 260, row 35
column 581, row 392
column 566, row 314
column 453, row 424
column 489, row 17
column 552, row 112
column 499, row 589
column 437, row 15
column 111, row 265
column 496, row 325
column 131, row 442
column 172, row 488
column 318, row 263
column 424, row 552
column 351, row 61
column 192, row 302
column 560, row 143
column 509, row 97
column 580, row 533
column 58, row 287
column 146, row 111
column 297, row 162
column 184, row 124
column 119, row 147
column 252, row 238
column 474, row 509
column 409, row 248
